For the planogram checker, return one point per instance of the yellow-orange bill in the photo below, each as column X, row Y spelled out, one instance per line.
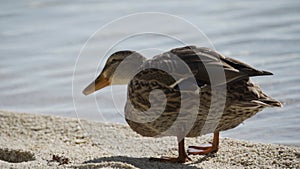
column 98, row 84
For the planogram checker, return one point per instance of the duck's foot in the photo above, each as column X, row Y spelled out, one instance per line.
column 202, row 150
column 182, row 156
column 171, row 159
column 206, row 148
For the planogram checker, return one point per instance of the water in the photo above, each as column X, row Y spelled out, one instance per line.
column 41, row 41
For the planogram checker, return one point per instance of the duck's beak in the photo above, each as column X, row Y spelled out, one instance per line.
column 98, row 84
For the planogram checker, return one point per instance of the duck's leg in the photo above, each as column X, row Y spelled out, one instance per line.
column 205, row 149
column 182, row 156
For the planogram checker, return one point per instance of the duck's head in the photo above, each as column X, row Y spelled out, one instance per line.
column 119, row 69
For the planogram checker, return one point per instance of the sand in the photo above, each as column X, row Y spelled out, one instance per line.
column 38, row 141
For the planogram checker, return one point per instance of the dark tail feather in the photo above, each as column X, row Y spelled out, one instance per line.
column 263, row 73
column 258, row 73
column 245, row 68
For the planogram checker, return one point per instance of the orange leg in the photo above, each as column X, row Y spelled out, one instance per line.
column 207, row 149
column 182, row 156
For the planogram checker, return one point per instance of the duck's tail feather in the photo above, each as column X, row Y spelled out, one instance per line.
column 245, row 68
column 255, row 103
column 260, row 73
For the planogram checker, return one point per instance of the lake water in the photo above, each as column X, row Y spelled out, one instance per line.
column 44, row 66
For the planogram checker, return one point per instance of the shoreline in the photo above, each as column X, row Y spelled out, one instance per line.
column 43, row 141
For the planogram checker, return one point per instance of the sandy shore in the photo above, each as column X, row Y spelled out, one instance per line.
column 35, row 141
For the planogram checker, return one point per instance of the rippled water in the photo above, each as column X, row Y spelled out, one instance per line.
column 41, row 41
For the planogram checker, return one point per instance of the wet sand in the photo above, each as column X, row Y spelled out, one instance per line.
column 37, row 141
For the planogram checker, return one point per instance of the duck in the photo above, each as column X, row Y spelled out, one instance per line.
column 185, row 92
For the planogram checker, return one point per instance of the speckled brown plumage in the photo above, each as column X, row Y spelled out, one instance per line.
column 243, row 99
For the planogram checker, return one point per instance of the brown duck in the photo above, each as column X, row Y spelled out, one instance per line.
column 185, row 92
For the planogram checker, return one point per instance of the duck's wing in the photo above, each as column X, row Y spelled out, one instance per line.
column 199, row 65
column 206, row 63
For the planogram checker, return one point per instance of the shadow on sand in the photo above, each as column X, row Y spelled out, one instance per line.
column 142, row 163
